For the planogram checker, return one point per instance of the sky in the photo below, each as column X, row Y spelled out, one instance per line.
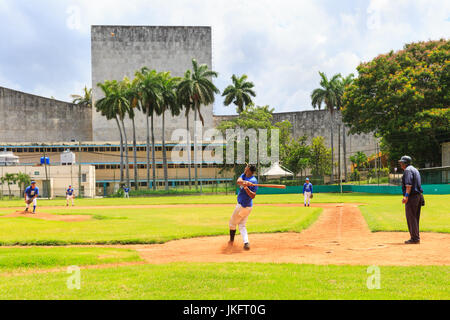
column 280, row 45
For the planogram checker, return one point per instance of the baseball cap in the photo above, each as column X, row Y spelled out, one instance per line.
column 307, row 179
column 405, row 159
column 33, row 182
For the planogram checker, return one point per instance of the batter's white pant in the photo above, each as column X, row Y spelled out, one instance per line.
column 126, row 195
column 34, row 202
column 68, row 198
column 239, row 217
column 307, row 196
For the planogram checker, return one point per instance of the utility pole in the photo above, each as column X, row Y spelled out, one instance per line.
column 79, row 169
column 339, row 157
column 377, row 167
column 345, row 152
column 46, row 183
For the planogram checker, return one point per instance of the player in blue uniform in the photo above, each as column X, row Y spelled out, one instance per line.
column 126, row 190
column 31, row 193
column 307, row 192
column 244, row 206
column 70, row 195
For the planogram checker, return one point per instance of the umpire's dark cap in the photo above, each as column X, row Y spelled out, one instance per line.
column 405, row 159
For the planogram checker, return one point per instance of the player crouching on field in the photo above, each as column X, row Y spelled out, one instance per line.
column 70, row 195
column 31, row 193
column 244, row 206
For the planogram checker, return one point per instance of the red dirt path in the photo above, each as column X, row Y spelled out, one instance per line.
column 340, row 236
column 48, row 216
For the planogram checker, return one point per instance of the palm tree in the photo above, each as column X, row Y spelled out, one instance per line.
column 169, row 102
column 84, row 100
column 239, row 93
column 111, row 106
column 327, row 95
column 197, row 89
column 132, row 95
column 149, row 87
column 184, row 100
column 344, row 83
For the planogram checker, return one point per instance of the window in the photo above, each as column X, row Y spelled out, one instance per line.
column 83, row 178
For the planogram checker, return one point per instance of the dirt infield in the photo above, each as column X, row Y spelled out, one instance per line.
column 340, row 236
column 48, row 216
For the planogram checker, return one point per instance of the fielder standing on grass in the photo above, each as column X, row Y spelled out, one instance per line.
column 31, row 193
column 244, row 206
column 307, row 192
column 70, row 195
column 412, row 198
column 126, row 190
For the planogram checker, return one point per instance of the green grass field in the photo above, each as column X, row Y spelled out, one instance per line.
column 233, row 281
column 146, row 225
column 18, row 265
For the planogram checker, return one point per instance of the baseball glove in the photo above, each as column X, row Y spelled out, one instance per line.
column 312, row 195
column 29, row 201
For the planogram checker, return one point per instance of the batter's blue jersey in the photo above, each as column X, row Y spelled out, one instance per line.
column 243, row 198
column 69, row 191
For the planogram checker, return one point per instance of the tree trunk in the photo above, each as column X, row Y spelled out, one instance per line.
column 136, row 178
column 148, row 150
column 188, row 147
column 153, row 154
column 127, row 163
column 166, row 175
column 195, row 149
column 121, row 151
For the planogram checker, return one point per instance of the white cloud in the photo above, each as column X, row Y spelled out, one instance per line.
column 280, row 45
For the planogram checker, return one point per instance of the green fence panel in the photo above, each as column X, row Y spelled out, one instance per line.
column 427, row 189
column 376, row 189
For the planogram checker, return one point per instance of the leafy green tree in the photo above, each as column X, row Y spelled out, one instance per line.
column 196, row 90
column 83, row 100
column 404, row 97
column 328, row 95
column 239, row 93
column 320, row 157
column 9, row 179
column 23, row 180
column 252, row 117
column 296, row 155
column 359, row 159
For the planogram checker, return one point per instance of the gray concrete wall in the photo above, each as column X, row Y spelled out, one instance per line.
column 317, row 123
column 133, row 47
column 29, row 118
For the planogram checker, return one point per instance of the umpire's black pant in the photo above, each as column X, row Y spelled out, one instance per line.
column 412, row 208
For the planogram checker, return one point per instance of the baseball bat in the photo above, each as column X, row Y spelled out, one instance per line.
column 277, row 186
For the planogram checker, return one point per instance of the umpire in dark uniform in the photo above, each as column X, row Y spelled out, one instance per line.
column 412, row 198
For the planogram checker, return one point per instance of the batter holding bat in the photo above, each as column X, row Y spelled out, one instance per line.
column 247, row 193
column 31, row 194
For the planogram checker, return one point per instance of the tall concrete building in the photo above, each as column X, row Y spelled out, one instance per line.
column 26, row 117
column 118, row 51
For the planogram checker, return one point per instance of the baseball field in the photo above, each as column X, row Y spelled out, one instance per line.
column 176, row 248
